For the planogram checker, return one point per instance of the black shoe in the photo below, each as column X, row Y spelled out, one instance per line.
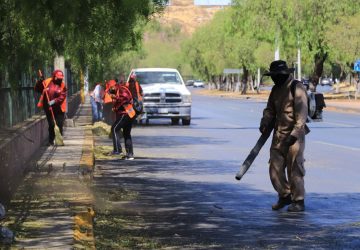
column 282, row 202
column 296, row 206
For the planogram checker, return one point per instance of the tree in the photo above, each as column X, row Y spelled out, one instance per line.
column 343, row 37
column 295, row 24
column 86, row 32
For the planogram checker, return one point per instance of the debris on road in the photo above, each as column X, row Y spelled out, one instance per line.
column 218, row 207
column 6, row 235
column 101, row 128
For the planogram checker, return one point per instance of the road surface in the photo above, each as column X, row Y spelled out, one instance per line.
column 181, row 192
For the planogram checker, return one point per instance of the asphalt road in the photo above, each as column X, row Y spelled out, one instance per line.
column 185, row 196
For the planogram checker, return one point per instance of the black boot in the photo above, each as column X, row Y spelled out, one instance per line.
column 282, row 202
column 296, row 206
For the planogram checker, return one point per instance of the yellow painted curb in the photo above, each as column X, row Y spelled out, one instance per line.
column 87, row 160
column 83, row 230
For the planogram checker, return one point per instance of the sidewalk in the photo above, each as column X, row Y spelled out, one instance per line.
column 52, row 209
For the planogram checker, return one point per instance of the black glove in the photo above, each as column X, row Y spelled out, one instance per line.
column 290, row 140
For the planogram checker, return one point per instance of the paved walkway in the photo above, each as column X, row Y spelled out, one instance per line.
column 52, row 208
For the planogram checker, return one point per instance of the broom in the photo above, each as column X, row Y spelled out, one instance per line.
column 58, row 137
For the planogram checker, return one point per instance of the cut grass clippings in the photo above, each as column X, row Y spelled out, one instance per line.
column 103, row 153
column 101, row 129
column 114, row 231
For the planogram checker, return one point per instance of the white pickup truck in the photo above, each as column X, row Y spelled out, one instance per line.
column 165, row 94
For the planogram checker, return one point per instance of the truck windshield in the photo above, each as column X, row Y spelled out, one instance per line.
column 154, row 77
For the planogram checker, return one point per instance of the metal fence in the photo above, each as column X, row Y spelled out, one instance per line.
column 18, row 104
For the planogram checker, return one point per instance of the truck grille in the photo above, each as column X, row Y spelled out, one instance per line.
column 173, row 97
column 153, row 97
column 162, row 98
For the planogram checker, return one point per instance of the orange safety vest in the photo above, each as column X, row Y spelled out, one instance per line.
column 139, row 97
column 46, row 83
column 107, row 98
column 129, row 110
column 128, row 107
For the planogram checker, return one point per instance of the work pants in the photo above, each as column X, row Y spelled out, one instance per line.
column 291, row 159
column 108, row 114
column 124, row 123
column 96, row 108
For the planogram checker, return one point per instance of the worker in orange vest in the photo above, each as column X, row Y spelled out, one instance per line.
column 53, row 88
column 109, row 116
column 125, row 115
column 135, row 88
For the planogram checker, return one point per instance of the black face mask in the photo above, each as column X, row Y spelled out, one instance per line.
column 58, row 81
column 279, row 79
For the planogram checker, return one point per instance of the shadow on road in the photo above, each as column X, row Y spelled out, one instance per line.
column 167, row 202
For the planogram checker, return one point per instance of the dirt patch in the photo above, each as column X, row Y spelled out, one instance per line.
column 263, row 95
column 334, row 102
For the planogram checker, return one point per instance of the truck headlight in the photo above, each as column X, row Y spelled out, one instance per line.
column 186, row 98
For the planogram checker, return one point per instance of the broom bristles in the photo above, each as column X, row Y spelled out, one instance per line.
column 58, row 137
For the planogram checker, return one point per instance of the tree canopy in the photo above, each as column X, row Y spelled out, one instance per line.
column 86, row 32
column 246, row 35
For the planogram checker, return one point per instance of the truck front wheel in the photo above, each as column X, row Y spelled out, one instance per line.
column 186, row 121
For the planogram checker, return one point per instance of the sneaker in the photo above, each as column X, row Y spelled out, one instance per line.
column 129, row 158
column 282, row 202
column 297, row 206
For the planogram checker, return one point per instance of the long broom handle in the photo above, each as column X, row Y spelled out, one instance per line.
column 51, row 110
column 47, row 97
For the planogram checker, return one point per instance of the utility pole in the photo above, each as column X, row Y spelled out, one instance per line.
column 299, row 58
column 277, row 47
column 299, row 64
column 277, row 53
column 59, row 63
column 258, row 80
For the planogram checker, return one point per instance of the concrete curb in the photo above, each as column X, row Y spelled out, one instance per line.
column 84, row 226
column 87, row 160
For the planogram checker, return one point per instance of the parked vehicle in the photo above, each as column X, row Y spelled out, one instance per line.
column 199, row 84
column 165, row 94
column 189, row 83
column 326, row 81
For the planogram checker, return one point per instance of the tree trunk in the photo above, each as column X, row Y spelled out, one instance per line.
column 253, row 83
column 218, row 82
column 318, row 69
column 244, row 80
